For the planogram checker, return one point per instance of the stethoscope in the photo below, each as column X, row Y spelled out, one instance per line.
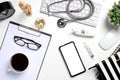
column 62, row 22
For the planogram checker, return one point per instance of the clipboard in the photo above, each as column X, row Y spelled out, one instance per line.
column 9, row 48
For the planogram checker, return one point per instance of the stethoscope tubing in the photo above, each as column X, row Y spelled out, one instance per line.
column 69, row 12
column 69, row 1
column 74, row 18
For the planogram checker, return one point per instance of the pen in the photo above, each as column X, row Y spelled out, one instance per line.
column 88, row 50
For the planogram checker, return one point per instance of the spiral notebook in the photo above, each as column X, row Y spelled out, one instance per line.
column 117, row 49
column 9, row 48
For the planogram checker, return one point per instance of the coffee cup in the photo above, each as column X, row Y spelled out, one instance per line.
column 18, row 63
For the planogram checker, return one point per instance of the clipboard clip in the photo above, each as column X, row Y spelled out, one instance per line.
column 29, row 30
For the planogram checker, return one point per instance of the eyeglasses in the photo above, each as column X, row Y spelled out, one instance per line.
column 30, row 43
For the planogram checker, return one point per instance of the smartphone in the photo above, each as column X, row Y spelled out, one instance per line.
column 72, row 58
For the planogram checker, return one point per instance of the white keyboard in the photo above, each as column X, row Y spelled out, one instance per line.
column 92, row 21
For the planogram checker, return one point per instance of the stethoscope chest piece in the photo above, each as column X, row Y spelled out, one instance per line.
column 61, row 23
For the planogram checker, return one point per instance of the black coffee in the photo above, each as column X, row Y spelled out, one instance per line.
column 19, row 62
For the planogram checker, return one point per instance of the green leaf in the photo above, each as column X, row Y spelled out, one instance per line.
column 114, row 14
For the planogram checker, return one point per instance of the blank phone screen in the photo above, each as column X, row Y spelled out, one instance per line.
column 72, row 58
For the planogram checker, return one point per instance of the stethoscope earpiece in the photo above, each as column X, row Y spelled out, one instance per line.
column 61, row 23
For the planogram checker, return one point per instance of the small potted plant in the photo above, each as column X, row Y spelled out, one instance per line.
column 114, row 15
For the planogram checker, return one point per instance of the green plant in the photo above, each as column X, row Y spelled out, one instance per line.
column 114, row 14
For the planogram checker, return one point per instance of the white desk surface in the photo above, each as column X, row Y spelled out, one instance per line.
column 54, row 67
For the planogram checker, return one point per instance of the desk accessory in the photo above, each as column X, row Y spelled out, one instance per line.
column 110, row 39
column 40, row 23
column 113, row 15
column 84, row 32
column 92, row 21
column 26, row 8
column 35, row 53
column 72, row 59
column 6, row 10
column 88, row 50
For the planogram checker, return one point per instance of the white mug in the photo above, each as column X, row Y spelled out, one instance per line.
column 18, row 63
